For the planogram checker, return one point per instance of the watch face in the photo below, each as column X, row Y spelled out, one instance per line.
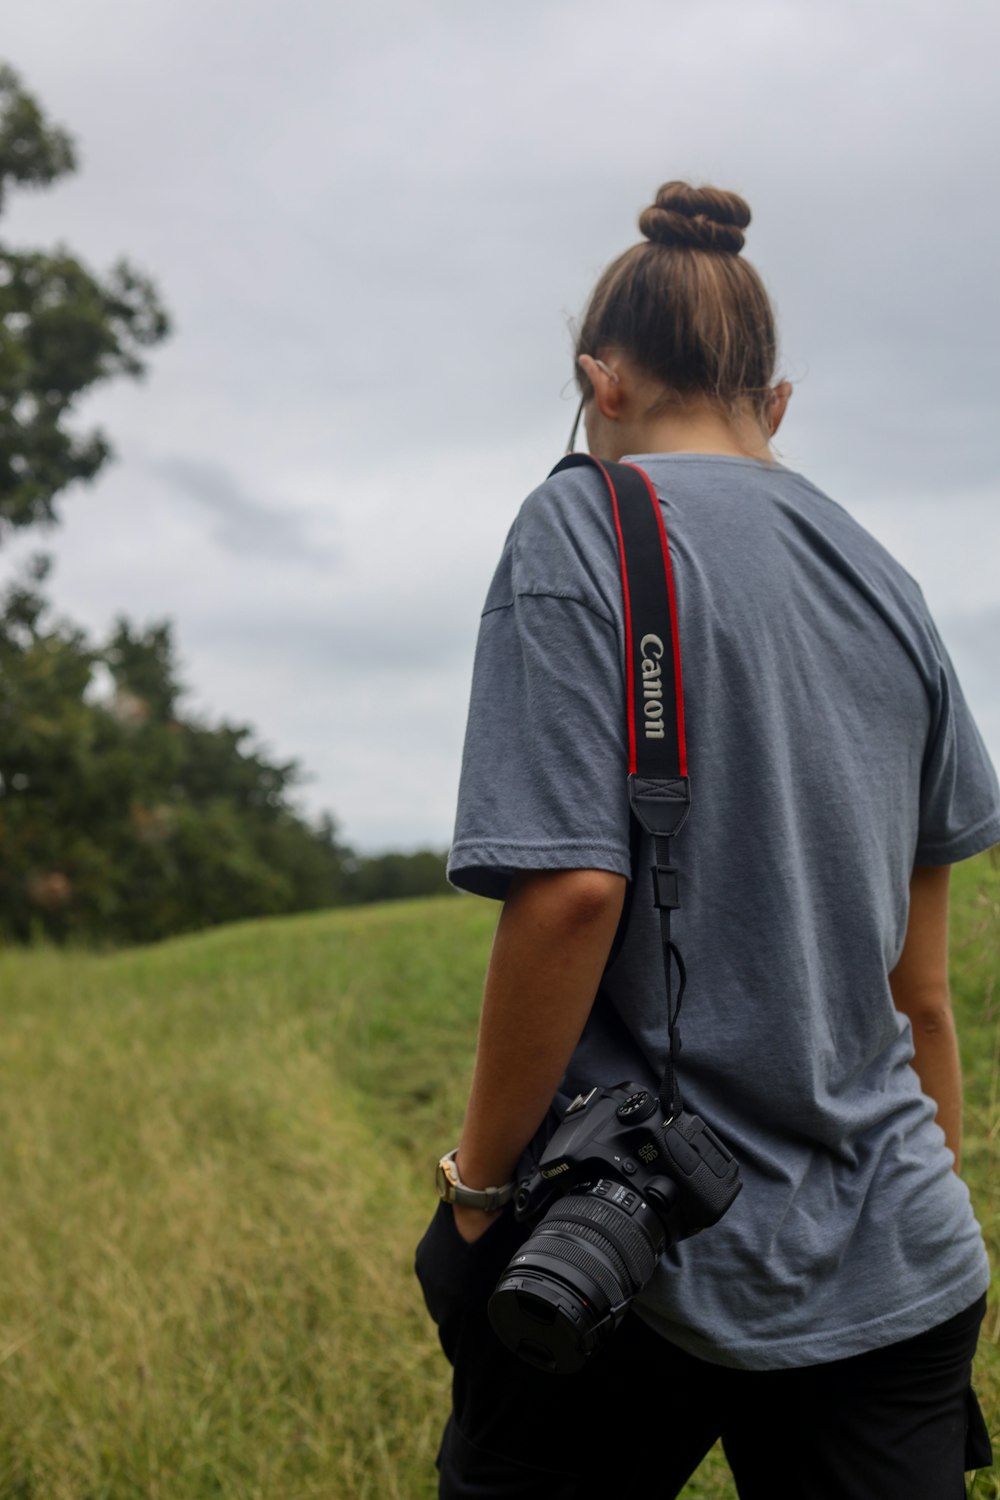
column 445, row 1185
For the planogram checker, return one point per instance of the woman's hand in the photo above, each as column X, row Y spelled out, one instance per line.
column 471, row 1223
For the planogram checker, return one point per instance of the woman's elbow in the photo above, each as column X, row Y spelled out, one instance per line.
column 578, row 897
column 932, row 1018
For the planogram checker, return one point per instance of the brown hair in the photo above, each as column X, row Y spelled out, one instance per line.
column 684, row 305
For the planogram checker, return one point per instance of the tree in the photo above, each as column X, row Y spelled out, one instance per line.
column 393, row 877
column 121, row 817
column 62, row 330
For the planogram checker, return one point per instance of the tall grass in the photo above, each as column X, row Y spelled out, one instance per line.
column 215, row 1167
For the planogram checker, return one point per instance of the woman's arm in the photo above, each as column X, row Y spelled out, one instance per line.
column 551, row 945
column 919, row 984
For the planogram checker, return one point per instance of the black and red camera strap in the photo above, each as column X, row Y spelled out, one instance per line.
column 659, row 788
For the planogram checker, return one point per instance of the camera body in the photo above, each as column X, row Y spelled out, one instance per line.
column 619, row 1181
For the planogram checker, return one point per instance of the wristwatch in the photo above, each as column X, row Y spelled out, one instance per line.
column 453, row 1190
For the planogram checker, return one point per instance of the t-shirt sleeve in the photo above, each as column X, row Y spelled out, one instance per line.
column 543, row 783
column 959, row 795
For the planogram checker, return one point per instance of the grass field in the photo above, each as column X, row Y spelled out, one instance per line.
column 216, row 1164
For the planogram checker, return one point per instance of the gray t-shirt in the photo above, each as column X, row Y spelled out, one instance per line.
column 830, row 749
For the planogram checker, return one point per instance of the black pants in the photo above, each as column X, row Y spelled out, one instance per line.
column 900, row 1421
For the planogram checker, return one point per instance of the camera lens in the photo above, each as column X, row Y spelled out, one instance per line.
column 572, row 1281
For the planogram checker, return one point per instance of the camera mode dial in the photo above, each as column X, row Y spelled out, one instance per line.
column 638, row 1106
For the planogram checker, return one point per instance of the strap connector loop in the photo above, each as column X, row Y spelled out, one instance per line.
column 661, row 807
column 666, row 887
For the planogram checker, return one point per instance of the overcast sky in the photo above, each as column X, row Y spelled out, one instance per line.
column 372, row 225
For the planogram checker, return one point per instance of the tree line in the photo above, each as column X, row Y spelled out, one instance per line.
column 123, row 818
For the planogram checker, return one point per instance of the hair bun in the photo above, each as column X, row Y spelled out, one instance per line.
column 703, row 218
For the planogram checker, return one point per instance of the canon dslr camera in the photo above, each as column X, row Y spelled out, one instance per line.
column 628, row 1181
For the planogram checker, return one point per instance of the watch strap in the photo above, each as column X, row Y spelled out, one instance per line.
column 452, row 1189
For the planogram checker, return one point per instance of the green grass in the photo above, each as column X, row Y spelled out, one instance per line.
column 216, row 1163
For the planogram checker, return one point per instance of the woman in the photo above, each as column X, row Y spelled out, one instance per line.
column 825, row 1327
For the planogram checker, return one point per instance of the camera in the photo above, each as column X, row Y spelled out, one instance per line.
column 618, row 1182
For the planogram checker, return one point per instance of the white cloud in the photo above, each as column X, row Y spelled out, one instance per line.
column 372, row 224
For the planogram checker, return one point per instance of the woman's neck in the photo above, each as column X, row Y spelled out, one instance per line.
column 688, row 430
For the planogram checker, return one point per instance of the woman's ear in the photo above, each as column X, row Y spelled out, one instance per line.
column 780, row 397
column 607, row 386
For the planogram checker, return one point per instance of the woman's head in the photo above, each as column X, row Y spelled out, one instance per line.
column 686, row 312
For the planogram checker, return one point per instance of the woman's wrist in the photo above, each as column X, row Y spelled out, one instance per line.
column 484, row 1169
column 473, row 1222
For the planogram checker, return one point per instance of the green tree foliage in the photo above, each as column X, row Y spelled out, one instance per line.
column 122, row 818
column 390, row 877
column 62, row 330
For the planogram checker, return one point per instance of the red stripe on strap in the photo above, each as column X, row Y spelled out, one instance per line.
column 674, row 631
column 629, row 668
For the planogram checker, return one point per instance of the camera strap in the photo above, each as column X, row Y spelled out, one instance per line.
column 659, row 790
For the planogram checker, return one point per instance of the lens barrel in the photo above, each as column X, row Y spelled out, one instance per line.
column 570, row 1284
